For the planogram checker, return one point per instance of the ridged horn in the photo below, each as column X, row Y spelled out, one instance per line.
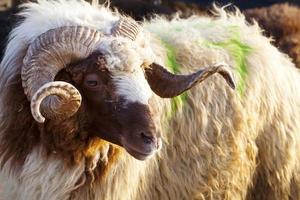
column 126, row 27
column 168, row 85
column 46, row 56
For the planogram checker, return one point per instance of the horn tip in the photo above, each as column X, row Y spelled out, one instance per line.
column 225, row 71
column 231, row 83
column 40, row 119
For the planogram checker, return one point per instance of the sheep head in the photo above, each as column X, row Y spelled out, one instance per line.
column 111, row 80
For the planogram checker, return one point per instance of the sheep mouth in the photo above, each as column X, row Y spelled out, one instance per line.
column 141, row 150
column 139, row 155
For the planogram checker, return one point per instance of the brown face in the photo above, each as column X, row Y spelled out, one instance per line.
column 117, row 104
column 111, row 116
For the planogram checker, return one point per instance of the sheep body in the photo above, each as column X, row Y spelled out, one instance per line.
column 218, row 144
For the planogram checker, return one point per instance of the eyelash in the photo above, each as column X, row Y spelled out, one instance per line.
column 92, row 83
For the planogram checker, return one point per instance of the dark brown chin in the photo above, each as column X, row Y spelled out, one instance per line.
column 139, row 155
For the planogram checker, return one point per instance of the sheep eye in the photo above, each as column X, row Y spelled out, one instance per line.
column 92, row 83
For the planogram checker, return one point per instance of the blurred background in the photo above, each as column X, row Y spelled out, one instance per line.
column 280, row 19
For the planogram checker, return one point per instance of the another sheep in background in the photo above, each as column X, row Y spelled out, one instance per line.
column 280, row 21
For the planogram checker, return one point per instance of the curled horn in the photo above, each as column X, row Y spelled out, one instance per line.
column 126, row 27
column 46, row 56
column 168, row 85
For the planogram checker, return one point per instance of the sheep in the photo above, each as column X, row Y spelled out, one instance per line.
column 86, row 110
column 282, row 22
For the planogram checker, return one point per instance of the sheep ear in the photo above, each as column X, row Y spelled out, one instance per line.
column 168, row 85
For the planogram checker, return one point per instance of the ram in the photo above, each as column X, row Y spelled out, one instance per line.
column 89, row 112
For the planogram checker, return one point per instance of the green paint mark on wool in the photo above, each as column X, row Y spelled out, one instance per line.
column 171, row 61
column 239, row 52
column 236, row 48
column 172, row 64
column 178, row 29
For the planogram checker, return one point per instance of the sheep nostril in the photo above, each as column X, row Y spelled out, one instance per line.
column 147, row 138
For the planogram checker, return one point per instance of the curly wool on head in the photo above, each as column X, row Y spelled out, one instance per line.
column 123, row 54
